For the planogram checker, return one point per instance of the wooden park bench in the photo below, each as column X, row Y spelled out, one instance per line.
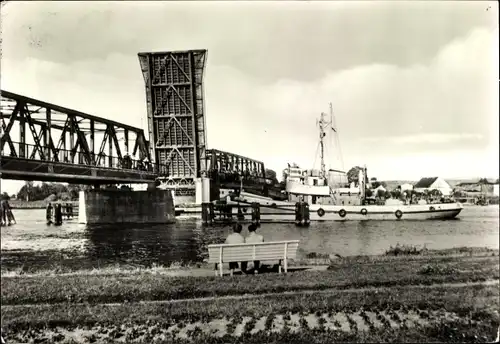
column 264, row 251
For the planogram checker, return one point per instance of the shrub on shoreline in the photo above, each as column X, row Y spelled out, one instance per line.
column 405, row 250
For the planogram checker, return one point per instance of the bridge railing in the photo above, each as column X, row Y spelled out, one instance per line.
column 66, row 156
column 234, row 177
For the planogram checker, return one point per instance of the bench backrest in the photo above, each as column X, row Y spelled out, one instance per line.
column 274, row 250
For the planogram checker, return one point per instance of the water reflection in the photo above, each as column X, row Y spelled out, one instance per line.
column 34, row 245
column 155, row 244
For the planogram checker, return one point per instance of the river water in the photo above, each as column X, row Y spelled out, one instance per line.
column 32, row 245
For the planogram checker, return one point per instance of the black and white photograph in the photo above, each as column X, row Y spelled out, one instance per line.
column 249, row 172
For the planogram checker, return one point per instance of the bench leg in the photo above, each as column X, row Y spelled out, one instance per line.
column 243, row 267
column 221, row 270
column 279, row 266
column 216, row 270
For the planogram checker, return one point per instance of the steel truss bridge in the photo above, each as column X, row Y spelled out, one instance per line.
column 47, row 142
column 232, row 170
column 43, row 141
column 176, row 123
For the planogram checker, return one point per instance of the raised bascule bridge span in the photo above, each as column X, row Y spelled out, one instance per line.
column 177, row 126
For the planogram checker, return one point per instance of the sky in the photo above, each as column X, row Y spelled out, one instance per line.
column 414, row 85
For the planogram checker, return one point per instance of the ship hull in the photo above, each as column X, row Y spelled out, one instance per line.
column 285, row 211
column 288, row 215
column 378, row 213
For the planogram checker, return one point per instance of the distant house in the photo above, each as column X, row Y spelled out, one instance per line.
column 432, row 183
column 487, row 187
column 406, row 187
column 469, row 187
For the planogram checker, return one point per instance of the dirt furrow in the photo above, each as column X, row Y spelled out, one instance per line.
column 360, row 321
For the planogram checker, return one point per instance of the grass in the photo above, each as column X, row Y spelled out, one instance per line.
column 149, row 287
column 323, row 306
column 458, row 299
column 74, row 267
column 116, row 269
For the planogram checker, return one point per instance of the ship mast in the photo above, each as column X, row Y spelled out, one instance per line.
column 322, row 134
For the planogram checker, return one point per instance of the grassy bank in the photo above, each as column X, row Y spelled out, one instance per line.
column 342, row 275
column 406, row 297
column 55, row 268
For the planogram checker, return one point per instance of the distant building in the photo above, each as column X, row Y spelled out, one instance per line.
column 432, row 183
column 406, row 187
column 486, row 187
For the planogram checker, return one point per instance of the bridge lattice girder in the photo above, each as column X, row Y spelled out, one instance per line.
column 176, row 116
column 57, row 135
column 230, row 163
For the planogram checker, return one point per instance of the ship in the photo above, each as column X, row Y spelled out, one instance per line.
column 332, row 197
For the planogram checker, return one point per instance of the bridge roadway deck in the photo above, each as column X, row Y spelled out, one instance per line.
column 45, row 150
column 27, row 169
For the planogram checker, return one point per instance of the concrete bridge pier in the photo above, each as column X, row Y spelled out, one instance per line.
column 153, row 206
column 202, row 191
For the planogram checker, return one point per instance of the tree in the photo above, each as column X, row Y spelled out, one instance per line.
column 65, row 196
column 27, row 191
column 396, row 193
column 5, row 196
column 435, row 193
column 74, row 190
column 353, row 175
column 380, row 193
column 271, row 174
column 30, row 192
column 459, row 193
column 368, row 193
column 51, row 198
